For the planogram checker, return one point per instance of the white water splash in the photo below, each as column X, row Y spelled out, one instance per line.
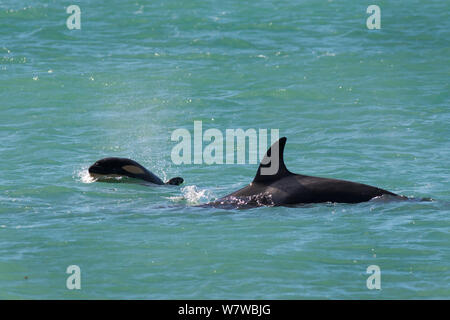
column 84, row 176
column 194, row 195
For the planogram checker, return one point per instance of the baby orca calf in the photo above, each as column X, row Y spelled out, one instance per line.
column 284, row 188
column 123, row 167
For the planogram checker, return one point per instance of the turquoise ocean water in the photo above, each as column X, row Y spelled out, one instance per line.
column 364, row 105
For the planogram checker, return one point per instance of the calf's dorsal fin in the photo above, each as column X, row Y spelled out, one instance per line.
column 272, row 166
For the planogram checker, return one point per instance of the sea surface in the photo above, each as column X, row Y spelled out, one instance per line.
column 370, row 106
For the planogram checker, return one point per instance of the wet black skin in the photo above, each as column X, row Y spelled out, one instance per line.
column 287, row 189
column 123, row 167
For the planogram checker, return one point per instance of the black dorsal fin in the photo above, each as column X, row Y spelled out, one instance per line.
column 272, row 166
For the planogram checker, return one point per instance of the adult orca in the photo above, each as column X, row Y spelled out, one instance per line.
column 108, row 168
column 284, row 188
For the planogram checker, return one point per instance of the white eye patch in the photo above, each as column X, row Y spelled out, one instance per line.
column 133, row 169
